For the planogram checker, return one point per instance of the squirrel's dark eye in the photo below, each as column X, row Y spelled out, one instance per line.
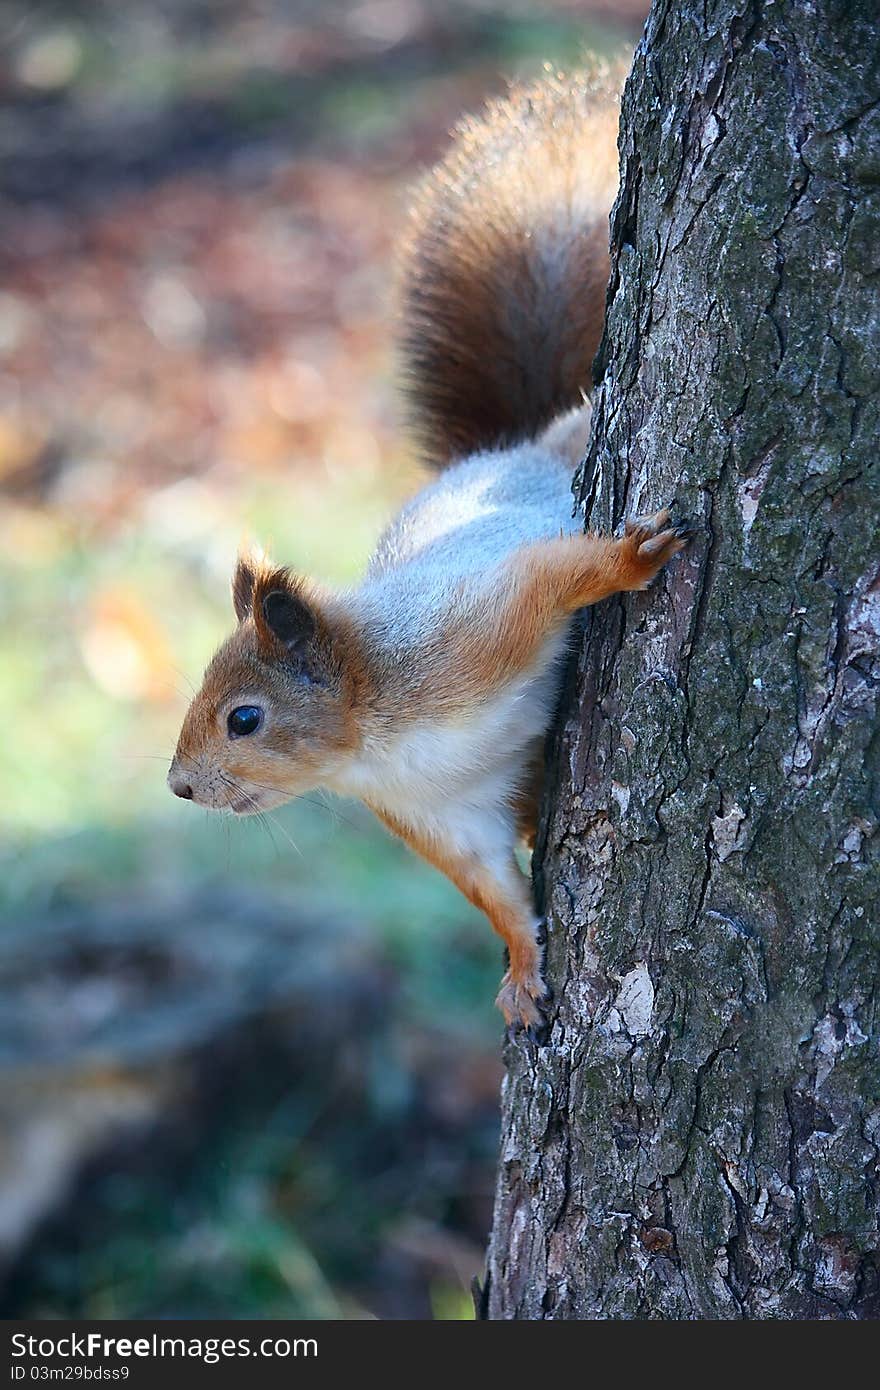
column 244, row 720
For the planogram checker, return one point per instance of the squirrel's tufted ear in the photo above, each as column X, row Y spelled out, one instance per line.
column 288, row 618
column 279, row 603
column 283, row 611
column 244, row 582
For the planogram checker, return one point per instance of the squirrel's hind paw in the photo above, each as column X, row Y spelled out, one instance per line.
column 521, row 1002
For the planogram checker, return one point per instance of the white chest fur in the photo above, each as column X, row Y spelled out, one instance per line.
column 474, row 759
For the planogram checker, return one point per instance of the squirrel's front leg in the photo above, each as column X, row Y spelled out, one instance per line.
column 513, row 615
column 493, row 882
column 576, row 570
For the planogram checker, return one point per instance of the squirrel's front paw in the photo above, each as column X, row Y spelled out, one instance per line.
column 520, row 1001
column 655, row 539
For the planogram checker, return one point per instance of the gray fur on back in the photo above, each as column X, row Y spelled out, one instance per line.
column 461, row 527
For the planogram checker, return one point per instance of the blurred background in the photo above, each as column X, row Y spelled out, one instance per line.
column 248, row 1070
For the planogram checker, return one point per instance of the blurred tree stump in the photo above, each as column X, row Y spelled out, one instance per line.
column 122, row 1024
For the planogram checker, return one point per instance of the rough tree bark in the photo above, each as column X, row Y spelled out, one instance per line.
column 699, row 1138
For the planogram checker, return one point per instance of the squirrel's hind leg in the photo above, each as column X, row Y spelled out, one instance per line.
column 488, row 875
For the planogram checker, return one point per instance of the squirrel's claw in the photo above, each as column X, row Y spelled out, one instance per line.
column 655, row 539
column 521, row 1001
column 643, row 528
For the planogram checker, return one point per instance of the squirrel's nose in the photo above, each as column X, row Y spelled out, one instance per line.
column 181, row 788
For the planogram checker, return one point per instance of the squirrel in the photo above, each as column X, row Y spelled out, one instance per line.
column 427, row 690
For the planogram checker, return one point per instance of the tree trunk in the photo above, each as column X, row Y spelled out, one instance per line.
column 700, row 1136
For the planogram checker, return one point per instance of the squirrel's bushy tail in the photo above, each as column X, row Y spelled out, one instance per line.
column 504, row 270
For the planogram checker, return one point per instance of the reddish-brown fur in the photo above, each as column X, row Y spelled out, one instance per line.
column 505, row 265
column 541, row 586
column 509, row 913
column 323, row 721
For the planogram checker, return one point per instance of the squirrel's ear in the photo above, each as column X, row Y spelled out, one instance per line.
column 281, row 605
column 289, row 619
column 244, row 581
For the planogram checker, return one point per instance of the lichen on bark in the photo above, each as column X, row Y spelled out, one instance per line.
column 699, row 1138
